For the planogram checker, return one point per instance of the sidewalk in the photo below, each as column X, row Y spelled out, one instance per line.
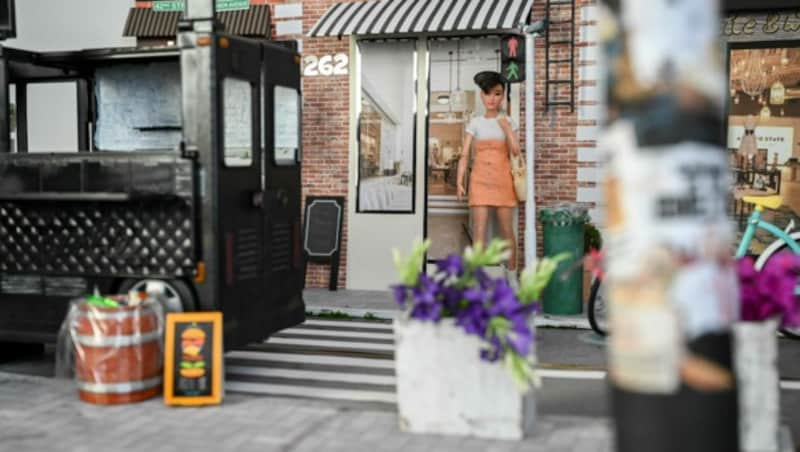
column 42, row 414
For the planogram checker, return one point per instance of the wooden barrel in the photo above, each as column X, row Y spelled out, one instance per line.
column 117, row 354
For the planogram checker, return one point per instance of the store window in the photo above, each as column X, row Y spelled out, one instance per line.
column 764, row 130
column 386, row 127
column 238, row 121
column 286, row 125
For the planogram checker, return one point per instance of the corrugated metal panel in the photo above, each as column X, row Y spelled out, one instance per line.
column 147, row 23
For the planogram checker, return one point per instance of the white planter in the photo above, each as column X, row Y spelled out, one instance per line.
column 444, row 387
column 755, row 357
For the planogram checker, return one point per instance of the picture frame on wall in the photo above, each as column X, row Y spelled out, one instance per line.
column 193, row 359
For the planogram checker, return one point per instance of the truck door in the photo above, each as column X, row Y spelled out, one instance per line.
column 283, row 275
column 241, row 222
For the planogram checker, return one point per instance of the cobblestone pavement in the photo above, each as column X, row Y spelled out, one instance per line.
column 42, row 415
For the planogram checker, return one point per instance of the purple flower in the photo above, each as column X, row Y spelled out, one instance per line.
column 400, row 294
column 425, row 303
column 474, row 319
column 427, row 312
column 452, row 265
column 484, row 280
column 504, row 301
column 770, row 292
column 494, row 351
column 520, row 338
column 451, row 298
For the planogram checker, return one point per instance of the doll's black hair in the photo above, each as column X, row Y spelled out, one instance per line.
column 487, row 80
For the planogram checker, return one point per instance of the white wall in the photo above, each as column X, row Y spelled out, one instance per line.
column 64, row 25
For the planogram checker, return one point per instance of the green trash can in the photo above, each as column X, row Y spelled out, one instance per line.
column 562, row 231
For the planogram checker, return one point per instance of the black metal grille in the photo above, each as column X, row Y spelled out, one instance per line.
column 281, row 246
column 141, row 238
column 248, row 254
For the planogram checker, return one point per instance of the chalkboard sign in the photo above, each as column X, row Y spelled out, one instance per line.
column 322, row 234
column 193, row 362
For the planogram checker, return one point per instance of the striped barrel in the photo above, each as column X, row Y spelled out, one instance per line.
column 117, row 354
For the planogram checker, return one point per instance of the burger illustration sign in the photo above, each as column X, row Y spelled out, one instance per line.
column 193, row 361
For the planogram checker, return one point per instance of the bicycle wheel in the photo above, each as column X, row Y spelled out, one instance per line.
column 773, row 249
column 597, row 308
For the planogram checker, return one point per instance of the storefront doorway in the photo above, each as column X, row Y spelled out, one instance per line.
column 763, row 134
column 453, row 101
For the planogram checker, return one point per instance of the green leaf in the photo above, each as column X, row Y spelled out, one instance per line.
column 498, row 326
column 408, row 269
column 534, row 280
column 478, row 256
column 522, row 371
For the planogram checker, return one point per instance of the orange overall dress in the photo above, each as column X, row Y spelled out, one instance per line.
column 490, row 181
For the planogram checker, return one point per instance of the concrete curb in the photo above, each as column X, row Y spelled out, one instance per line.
column 542, row 321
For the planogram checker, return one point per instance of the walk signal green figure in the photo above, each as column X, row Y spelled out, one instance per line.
column 512, row 71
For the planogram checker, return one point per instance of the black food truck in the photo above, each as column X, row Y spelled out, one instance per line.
column 186, row 182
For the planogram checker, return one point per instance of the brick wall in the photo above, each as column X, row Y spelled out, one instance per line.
column 564, row 141
column 326, row 103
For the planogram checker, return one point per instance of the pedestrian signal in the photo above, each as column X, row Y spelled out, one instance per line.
column 512, row 52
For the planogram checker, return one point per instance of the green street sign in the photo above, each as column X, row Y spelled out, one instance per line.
column 165, row 5
column 178, row 5
column 231, row 5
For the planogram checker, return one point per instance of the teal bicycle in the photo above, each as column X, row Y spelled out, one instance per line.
column 785, row 239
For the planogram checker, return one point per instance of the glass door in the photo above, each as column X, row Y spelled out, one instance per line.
column 454, row 100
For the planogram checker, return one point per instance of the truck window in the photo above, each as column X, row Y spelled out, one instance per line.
column 238, row 122
column 52, row 117
column 138, row 107
column 287, row 125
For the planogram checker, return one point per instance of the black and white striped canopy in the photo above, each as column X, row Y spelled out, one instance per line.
column 410, row 17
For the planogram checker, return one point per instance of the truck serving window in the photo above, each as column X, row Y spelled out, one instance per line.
column 138, row 107
column 287, row 126
column 238, row 121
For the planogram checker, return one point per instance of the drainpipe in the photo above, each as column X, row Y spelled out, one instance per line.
column 530, row 31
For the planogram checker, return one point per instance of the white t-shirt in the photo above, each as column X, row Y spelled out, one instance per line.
column 483, row 128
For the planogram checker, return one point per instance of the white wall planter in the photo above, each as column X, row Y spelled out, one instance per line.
column 755, row 356
column 443, row 387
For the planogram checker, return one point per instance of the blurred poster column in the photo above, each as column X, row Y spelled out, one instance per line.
column 671, row 278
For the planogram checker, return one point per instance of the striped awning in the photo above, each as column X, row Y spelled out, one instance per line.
column 150, row 24
column 410, row 17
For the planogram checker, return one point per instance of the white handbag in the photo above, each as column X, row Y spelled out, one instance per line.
column 518, row 175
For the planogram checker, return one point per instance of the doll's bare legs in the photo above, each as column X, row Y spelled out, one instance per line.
column 480, row 217
column 505, row 216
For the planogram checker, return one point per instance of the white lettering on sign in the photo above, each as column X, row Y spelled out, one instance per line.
column 776, row 140
column 326, row 65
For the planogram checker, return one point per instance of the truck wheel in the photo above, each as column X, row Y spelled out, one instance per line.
column 176, row 295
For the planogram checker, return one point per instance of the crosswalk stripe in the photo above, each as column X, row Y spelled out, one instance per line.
column 311, row 392
column 311, row 359
column 338, row 345
column 350, row 324
column 311, row 375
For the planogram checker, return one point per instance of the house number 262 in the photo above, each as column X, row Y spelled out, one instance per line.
column 326, row 65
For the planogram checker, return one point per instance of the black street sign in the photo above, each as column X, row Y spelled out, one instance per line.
column 512, row 56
